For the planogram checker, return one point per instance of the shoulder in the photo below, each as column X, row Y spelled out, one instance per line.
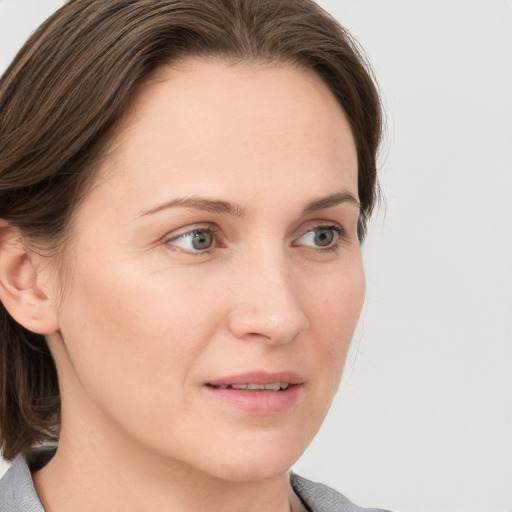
column 17, row 492
column 321, row 498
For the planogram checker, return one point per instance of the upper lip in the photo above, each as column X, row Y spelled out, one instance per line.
column 258, row 377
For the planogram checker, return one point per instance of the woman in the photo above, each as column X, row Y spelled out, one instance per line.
column 184, row 189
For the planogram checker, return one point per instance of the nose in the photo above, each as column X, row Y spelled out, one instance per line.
column 266, row 302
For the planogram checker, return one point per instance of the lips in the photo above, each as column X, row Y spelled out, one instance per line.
column 258, row 393
column 258, row 379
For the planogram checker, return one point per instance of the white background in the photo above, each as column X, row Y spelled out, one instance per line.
column 423, row 420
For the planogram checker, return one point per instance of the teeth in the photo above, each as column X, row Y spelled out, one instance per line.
column 240, row 386
column 276, row 386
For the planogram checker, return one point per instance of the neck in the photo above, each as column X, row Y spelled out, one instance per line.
column 83, row 481
column 96, row 470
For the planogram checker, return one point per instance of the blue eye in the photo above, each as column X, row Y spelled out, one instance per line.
column 321, row 236
column 196, row 240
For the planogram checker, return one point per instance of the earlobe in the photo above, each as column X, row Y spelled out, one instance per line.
column 20, row 292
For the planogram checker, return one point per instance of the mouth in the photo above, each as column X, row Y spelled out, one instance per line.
column 276, row 386
column 258, row 393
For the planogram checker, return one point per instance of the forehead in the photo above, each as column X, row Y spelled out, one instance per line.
column 217, row 124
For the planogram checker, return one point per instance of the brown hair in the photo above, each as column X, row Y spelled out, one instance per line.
column 68, row 87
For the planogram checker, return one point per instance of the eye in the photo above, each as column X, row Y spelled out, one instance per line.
column 321, row 237
column 195, row 240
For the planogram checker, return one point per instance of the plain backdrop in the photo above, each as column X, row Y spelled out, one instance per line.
column 423, row 419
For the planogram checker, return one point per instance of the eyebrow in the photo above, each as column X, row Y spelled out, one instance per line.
column 227, row 208
column 324, row 203
column 199, row 203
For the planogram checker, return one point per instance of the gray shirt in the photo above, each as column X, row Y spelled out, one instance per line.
column 17, row 493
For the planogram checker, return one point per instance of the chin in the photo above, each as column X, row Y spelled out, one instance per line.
column 254, row 470
column 250, row 460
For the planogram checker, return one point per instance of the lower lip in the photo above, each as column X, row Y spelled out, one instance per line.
column 258, row 402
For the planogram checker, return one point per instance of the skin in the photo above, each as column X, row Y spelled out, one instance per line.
column 143, row 320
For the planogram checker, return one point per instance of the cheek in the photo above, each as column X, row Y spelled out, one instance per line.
column 334, row 309
column 130, row 333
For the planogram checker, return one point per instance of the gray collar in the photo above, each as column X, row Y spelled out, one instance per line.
column 17, row 492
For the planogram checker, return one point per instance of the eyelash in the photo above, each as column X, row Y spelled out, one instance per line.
column 333, row 247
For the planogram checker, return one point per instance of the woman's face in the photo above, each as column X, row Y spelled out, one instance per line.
column 217, row 251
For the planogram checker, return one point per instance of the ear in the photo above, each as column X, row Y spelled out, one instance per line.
column 25, row 300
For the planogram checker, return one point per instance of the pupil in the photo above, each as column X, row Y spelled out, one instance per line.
column 323, row 236
column 202, row 240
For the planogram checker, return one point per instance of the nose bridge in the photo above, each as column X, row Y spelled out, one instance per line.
column 267, row 300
